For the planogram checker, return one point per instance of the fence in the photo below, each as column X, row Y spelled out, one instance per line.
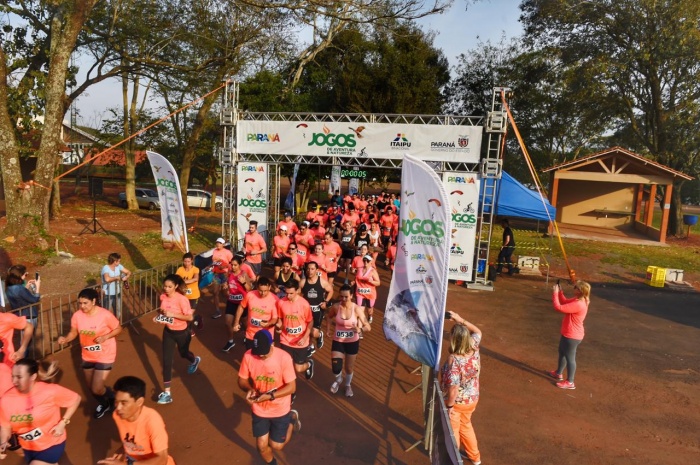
column 54, row 313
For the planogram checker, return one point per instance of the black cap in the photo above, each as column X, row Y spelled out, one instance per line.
column 262, row 341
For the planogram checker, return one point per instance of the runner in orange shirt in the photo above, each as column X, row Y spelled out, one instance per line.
column 32, row 410
column 97, row 329
column 292, row 227
column 190, row 274
column 280, row 244
column 321, row 261
column 298, row 262
column 351, row 216
column 267, row 377
column 221, row 257
column 174, row 313
column 255, row 247
column 9, row 322
column 318, row 231
column 358, row 262
column 295, row 325
column 141, row 429
column 261, row 305
column 333, row 252
column 304, row 240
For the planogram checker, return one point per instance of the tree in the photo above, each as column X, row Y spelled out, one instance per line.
column 642, row 59
column 54, row 29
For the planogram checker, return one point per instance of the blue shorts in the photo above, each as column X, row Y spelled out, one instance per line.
column 221, row 278
column 51, row 455
column 276, row 427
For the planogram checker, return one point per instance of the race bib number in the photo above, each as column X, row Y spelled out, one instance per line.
column 315, row 308
column 344, row 334
column 235, row 297
column 301, row 252
column 31, row 435
column 255, row 322
column 164, row 319
column 363, row 290
column 93, row 348
column 188, row 291
column 293, row 331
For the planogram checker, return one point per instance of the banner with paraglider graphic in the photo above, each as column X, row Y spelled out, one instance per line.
column 415, row 310
column 252, row 197
column 172, row 213
column 463, row 189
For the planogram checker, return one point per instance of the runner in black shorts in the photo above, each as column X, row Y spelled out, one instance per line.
column 294, row 327
column 238, row 286
column 318, row 292
column 347, row 245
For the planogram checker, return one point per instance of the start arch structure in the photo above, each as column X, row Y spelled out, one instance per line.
column 255, row 144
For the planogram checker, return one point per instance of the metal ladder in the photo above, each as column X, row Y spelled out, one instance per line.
column 490, row 172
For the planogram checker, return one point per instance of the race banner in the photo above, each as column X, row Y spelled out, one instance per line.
column 463, row 189
column 172, row 213
column 354, row 186
column 252, row 197
column 427, row 142
column 334, row 185
column 415, row 312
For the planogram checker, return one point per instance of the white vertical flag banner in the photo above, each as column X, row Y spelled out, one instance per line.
column 290, row 203
column 415, row 313
column 172, row 214
column 3, row 299
column 463, row 191
column 354, row 186
column 252, row 197
column 334, row 185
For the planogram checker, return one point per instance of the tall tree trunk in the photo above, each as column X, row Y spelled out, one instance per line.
column 675, row 217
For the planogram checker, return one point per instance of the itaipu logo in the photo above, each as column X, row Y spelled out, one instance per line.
column 251, row 137
column 327, row 138
column 400, row 142
column 456, row 250
column 421, row 269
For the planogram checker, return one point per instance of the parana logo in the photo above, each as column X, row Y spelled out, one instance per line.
column 263, row 137
column 415, row 225
column 254, row 169
column 166, row 183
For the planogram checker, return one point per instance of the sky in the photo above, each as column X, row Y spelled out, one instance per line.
column 457, row 31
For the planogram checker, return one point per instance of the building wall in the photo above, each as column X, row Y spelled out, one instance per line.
column 578, row 200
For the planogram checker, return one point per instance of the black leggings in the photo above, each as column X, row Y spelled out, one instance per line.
column 171, row 338
column 567, row 356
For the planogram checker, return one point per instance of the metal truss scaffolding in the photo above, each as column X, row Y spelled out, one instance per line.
column 489, row 167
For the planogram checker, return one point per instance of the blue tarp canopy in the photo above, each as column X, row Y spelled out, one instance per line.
column 515, row 200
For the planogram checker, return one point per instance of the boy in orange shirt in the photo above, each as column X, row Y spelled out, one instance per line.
column 267, row 377
column 141, row 428
column 294, row 325
column 262, row 311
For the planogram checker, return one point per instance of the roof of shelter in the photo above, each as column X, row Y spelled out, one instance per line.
column 635, row 164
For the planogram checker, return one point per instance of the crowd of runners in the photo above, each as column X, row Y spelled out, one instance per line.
column 322, row 285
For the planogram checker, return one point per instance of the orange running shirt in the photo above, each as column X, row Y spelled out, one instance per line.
column 33, row 415
column 145, row 437
column 259, row 310
column 364, row 288
column 292, row 227
column 322, row 262
column 273, row 372
column 177, row 304
column 254, row 243
column 301, row 248
column 192, row 291
column 8, row 323
column 296, row 318
column 333, row 253
column 91, row 326
column 281, row 243
column 357, row 263
column 221, row 259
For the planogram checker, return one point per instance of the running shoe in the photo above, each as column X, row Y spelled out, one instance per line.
column 296, row 421
column 165, row 398
column 555, row 375
column 312, row 350
column 229, row 345
column 370, row 319
column 193, row 366
column 319, row 342
column 566, row 384
column 336, row 384
column 102, row 410
column 348, row 391
column 216, row 315
column 309, row 373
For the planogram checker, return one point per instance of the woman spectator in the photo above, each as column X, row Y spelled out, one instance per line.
column 32, row 410
column 97, row 328
column 349, row 320
column 574, row 310
column 459, row 382
column 174, row 313
column 113, row 273
column 21, row 293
